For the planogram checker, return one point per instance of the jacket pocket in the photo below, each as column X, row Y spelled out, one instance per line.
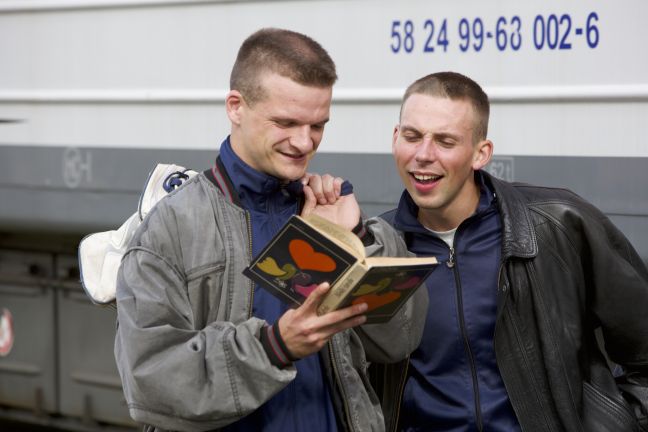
column 603, row 414
column 205, row 292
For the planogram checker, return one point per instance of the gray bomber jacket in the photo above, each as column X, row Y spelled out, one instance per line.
column 187, row 347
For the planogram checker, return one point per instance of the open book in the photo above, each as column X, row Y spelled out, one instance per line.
column 311, row 250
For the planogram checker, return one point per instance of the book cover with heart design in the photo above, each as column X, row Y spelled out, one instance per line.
column 309, row 251
column 297, row 260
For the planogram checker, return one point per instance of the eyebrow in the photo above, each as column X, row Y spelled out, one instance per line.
column 295, row 121
column 410, row 129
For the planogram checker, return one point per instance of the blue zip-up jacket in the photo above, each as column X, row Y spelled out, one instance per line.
column 453, row 381
column 305, row 403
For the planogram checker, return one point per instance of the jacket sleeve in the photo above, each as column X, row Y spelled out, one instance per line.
column 620, row 299
column 174, row 375
column 620, row 303
column 395, row 340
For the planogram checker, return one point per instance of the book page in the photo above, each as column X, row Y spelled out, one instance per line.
column 339, row 233
column 396, row 261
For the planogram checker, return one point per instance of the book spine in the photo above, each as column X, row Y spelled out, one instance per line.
column 341, row 290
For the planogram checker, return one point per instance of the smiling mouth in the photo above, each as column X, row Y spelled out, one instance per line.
column 426, row 178
column 294, row 156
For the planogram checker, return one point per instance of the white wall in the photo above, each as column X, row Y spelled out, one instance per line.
column 153, row 73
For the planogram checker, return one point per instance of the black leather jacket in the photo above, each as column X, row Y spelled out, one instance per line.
column 569, row 284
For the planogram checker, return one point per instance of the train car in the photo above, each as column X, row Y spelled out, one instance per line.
column 94, row 93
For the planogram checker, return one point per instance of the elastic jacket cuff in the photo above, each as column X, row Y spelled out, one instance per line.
column 363, row 234
column 275, row 347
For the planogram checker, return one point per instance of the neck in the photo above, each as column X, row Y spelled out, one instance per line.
column 237, row 146
column 450, row 217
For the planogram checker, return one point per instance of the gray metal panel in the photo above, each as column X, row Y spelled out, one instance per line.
column 84, row 190
column 636, row 229
column 615, row 185
column 90, row 387
column 78, row 190
column 28, row 370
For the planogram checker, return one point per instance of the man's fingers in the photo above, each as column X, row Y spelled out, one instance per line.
column 309, row 201
column 346, row 318
column 344, row 325
column 304, row 332
column 316, row 183
column 343, row 314
column 322, row 328
column 331, row 188
column 304, row 180
column 337, row 185
column 315, row 298
column 326, row 188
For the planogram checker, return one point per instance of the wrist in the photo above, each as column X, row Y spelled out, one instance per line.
column 275, row 347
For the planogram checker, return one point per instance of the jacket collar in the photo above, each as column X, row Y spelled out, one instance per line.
column 518, row 234
column 247, row 187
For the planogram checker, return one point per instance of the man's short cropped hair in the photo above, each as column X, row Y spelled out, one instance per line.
column 287, row 53
column 454, row 86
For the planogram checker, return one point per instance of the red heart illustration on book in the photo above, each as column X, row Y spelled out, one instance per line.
column 409, row 283
column 375, row 301
column 307, row 259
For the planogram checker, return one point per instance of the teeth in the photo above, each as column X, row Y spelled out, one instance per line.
column 424, row 177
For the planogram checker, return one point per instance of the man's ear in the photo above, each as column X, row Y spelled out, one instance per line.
column 395, row 137
column 483, row 154
column 234, row 103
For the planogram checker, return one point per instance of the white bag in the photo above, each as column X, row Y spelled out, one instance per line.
column 100, row 253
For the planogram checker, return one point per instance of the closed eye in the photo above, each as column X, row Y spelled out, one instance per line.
column 411, row 137
column 447, row 143
column 410, row 134
column 285, row 124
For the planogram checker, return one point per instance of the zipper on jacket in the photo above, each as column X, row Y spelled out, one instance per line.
column 451, row 263
column 451, row 258
column 248, row 224
column 339, row 384
column 399, row 400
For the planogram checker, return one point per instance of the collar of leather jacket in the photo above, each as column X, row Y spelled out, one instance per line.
column 518, row 234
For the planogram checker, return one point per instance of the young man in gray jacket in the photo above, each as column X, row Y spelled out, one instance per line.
column 198, row 346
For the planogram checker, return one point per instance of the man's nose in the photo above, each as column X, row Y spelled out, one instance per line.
column 426, row 151
column 301, row 139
